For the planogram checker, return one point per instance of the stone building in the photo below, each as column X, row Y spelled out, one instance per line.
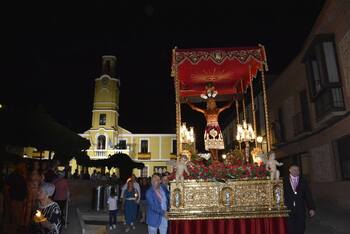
column 310, row 106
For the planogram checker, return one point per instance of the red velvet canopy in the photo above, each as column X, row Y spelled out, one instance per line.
column 224, row 67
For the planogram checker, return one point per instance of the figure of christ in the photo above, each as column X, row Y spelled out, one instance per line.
column 213, row 139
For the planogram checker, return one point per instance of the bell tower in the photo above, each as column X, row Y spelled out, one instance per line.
column 105, row 111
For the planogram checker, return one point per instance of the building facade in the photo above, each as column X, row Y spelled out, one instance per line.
column 310, row 106
column 108, row 138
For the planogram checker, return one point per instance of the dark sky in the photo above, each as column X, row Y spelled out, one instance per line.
column 50, row 54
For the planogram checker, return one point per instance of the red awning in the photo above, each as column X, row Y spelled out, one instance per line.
column 224, row 67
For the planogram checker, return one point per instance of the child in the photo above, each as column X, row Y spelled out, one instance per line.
column 113, row 208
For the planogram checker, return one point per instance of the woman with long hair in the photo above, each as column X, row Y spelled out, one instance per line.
column 130, row 202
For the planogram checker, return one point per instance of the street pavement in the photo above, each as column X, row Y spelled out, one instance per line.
column 327, row 221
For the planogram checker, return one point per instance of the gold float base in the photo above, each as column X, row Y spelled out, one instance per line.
column 260, row 198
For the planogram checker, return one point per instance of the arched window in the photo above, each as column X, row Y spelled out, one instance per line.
column 101, row 142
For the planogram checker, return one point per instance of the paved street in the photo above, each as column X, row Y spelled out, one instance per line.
column 327, row 221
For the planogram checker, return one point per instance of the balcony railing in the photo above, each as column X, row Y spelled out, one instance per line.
column 100, row 154
column 329, row 101
column 143, row 156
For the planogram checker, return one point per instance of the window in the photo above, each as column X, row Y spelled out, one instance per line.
column 122, row 144
column 107, row 67
column 301, row 120
column 144, row 146
column 323, row 76
column 144, row 172
column 279, row 127
column 101, row 142
column 102, row 119
column 174, row 146
column 304, row 106
column 344, row 156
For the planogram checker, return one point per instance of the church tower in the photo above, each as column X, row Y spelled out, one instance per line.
column 105, row 111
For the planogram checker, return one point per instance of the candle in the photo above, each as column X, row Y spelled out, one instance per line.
column 39, row 217
column 38, row 213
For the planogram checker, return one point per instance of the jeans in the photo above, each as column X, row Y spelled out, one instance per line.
column 163, row 227
column 113, row 217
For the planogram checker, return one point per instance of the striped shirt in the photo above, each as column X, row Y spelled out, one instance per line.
column 53, row 214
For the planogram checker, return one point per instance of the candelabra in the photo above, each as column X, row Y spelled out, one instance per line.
column 246, row 134
column 187, row 138
column 186, row 135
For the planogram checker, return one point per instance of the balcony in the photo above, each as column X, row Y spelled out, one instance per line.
column 144, row 156
column 329, row 104
column 103, row 154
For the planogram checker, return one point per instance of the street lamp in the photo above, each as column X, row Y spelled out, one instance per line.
column 246, row 134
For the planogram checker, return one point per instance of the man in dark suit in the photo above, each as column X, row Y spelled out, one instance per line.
column 298, row 198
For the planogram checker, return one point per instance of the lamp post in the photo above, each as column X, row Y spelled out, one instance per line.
column 246, row 134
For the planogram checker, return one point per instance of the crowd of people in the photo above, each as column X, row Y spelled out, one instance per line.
column 38, row 186
column 143, row 198
column 35, row 185
column 29, row 187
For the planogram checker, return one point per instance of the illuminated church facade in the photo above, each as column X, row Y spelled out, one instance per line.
column 107, row 137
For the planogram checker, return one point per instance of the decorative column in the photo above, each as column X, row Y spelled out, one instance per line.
column 238, row 120
column 267, row 122
column 252, row 100
column 243, row 102
column 177, row 103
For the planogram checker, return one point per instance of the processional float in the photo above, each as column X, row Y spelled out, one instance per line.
column 233, row 190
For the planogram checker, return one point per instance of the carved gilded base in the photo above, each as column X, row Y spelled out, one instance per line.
column 232, row 199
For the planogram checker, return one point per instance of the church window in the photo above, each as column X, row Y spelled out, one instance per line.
column 101, row 142
column 108, row 66
column 103, row 119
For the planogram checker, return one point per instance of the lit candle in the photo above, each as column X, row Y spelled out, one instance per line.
column 38, row 217
column 38, row 213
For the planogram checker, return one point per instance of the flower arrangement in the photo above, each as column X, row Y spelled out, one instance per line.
column 203, row 170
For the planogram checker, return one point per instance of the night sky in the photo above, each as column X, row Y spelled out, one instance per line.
column 51, row 53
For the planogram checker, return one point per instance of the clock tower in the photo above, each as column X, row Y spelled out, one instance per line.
column 105, row 111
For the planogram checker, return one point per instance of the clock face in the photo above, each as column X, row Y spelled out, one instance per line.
column 104, row 81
